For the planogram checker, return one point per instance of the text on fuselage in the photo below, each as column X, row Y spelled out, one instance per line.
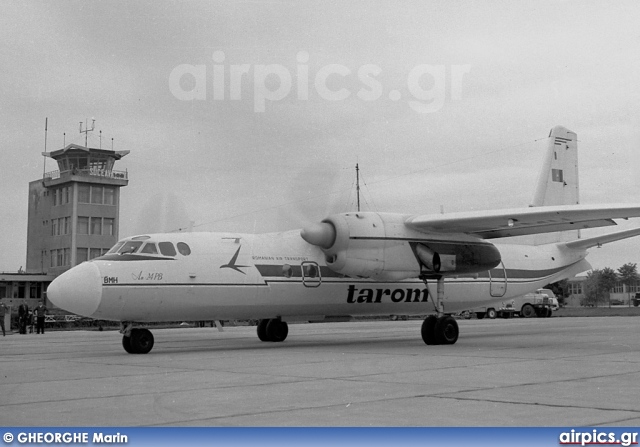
column 395, row 295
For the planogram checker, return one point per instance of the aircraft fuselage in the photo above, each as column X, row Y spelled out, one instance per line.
column 242, row 276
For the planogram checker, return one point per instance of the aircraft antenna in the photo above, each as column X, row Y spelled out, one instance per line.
column 44, row 159
column 358, row 185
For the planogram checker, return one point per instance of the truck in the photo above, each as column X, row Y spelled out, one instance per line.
column 541, row 304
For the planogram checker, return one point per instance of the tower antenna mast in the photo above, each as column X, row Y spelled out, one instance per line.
column 87, row 130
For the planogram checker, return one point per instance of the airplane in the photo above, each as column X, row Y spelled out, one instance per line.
column 350, row 264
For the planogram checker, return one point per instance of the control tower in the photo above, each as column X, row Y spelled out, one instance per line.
column 74, row 211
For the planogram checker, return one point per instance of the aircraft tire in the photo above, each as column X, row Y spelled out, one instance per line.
column 491, row 313
column 126, row 344
column 528, row 311
column 141, row 341
column 447, row 330
column 262, row 330
column 428, row 330
column 277, row 330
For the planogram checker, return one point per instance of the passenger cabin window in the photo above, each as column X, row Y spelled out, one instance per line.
column 183, row 249
column 167, row 248
column 310, row 270
column 149, row 248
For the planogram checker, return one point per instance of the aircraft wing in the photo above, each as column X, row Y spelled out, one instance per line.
column 523, row 221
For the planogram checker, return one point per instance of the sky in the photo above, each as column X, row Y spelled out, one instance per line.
column 250, row 116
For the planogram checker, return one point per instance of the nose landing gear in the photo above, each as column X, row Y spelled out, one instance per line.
column 136, row 340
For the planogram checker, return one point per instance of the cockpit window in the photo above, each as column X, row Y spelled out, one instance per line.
column 184, row 249
column 115, row 248
column 167, row 248
column 149, row 248
column 129, row 247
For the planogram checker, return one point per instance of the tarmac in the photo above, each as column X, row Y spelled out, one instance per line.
column 516, row 372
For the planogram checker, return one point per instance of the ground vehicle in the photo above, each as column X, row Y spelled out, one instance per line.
column 540, row 304
column 636, row 300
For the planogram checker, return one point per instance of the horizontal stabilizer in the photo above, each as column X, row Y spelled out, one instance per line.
column 604, row 239
column 523, row 221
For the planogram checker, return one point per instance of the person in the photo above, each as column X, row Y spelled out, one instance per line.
column 30, row 322
column 23, row 314
column 39, row 313
column 3, row 311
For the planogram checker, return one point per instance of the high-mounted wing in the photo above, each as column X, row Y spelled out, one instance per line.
column 523, row 221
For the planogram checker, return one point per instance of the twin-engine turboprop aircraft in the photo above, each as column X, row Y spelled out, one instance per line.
column 352, row 264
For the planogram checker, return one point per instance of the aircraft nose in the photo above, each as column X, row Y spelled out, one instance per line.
column 78, row 290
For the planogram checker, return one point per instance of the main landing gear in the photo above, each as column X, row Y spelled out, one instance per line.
column 136, row 340
column 441, row 329
column 272, row 329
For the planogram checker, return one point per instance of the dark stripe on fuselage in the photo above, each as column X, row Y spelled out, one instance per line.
column 131, row 257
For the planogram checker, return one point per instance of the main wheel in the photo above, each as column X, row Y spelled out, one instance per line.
column 126, row 344
column 277, row 330
column 428, row 330
column 527, row 311
column 491, row 313
column 262, row 330
column 447, row 330
column 141, row 341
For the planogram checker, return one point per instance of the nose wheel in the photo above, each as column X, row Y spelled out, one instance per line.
column 136, row 340
column 441, row 329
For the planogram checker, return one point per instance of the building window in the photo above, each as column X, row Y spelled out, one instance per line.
column 53, row 258
column 96, row 194
column 3, row 292
column 67, row 225
column 107, row 226
column 109, row 196
column 35, row 290
column 19, row 292
column 82, row 255
column 54, row 227
column 83, row 193
column 95, row 253
column 96, row 225
column 618, row 288
column 83, row 225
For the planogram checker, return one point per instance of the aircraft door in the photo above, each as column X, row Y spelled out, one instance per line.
column 311, row 274
column 498, row 281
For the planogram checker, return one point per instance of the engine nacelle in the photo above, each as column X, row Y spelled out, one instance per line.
column 380, row 246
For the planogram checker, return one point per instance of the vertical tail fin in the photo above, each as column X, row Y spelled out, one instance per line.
column 558, row 180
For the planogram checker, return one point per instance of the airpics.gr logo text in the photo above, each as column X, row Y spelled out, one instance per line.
column 426, row 83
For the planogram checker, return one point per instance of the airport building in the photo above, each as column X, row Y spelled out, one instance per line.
column 74, row 211
column 73, row 217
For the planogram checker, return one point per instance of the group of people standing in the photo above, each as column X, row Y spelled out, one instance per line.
column 26, row 318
